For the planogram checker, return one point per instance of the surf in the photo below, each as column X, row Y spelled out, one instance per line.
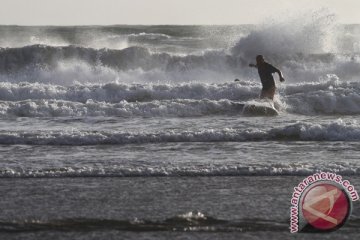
column 328, row 97
column 336, row 131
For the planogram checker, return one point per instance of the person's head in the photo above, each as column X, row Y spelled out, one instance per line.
column 260, row 59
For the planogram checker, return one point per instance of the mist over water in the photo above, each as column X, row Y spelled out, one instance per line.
column 307, row 47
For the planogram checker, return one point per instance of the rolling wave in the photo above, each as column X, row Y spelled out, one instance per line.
column 39, row 63
column 15, row 59
column 115, row 92
column 66, row 65
column 330, row 97
column 148, row 36
column 305, row 47
column 168, row 108
column 336, row 131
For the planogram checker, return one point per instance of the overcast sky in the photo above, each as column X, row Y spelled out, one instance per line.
column 106, row 12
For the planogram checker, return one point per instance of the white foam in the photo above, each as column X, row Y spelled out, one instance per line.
column 264, row 169
column 70, row 64
column 148, row 36
column 305, row 33
column 336, row 131
column 305, row 46
column 168, row 108
column 329, row 96
column 116, row 92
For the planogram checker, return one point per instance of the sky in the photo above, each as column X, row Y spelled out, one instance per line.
column 149, row 12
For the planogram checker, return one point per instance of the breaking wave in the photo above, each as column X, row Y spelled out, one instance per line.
column 173, row 108
column 305, row 47
column 330, row 97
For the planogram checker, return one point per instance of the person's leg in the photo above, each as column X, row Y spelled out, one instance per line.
column 262, row 95
column 272, row 93
column 268, row 93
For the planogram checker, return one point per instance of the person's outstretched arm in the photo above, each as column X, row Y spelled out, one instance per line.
column 276, row 70
column 281, row 76
column 252, row 65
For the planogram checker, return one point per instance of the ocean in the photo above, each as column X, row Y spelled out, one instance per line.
column 131, row 132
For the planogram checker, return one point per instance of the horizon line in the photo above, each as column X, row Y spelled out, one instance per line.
column 140, row 24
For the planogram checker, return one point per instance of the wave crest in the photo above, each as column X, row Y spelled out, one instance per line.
column 330, row 96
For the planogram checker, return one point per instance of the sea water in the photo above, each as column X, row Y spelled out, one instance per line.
column 131, row 131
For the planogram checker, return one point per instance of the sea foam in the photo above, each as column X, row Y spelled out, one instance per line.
column 336, row 131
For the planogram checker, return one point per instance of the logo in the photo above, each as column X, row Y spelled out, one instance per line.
column 321, row 203
column 325, row 206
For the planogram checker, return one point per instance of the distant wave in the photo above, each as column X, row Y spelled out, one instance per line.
column 32, row 63
column 47, row 57
column 148, row 36
column 15, row 59
column 306, row 47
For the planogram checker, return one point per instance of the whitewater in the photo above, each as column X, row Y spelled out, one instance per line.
column 145, row 85
column 145, row 125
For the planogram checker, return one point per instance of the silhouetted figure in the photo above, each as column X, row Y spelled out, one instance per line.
column 266, row 71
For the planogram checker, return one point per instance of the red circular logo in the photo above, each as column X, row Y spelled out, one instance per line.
column 326, row 207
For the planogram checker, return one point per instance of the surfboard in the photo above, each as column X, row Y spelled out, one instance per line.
column 255, row 110
column 259, row 110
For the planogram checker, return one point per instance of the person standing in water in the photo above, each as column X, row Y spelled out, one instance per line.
column 266, row 71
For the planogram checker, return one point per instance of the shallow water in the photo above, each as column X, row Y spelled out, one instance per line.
column 155, row 208
column 279, row 145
